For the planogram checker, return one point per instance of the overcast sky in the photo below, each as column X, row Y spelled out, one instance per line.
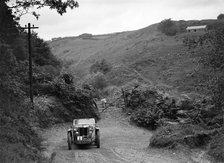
column 108, row 16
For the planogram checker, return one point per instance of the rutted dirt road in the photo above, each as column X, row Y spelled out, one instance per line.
column 120, row 143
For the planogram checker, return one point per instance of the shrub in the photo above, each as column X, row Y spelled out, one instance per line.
column 48, row 111
column 18, row 141
column 220, row 16
column 182, row 134
column 168, row 27
column 147, row 118
column 101, row 66
column 97, row 81
column 216, row 148
column 79, row 102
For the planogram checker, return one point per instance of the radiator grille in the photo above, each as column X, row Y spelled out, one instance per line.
column 83, row 131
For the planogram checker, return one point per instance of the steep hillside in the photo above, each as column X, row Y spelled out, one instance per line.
column 145, row 54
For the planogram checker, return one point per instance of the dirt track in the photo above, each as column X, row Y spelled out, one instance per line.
column 120, row 143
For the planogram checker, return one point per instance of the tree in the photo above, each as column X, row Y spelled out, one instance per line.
column 168, row 27
column 8, row 27
column 41, row 53
column 220, row 17
column 22, row 7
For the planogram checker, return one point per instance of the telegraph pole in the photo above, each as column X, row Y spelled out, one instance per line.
column 30, row 61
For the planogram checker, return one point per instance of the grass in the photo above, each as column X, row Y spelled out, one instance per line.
column 172, row 136
column 216, row 149
column 148, row 52
column 18, row 141
column 151, row 57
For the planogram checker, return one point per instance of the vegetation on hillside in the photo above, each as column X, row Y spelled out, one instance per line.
column 220, row 16
column 168, row 27
column 165, row 66
column 102, row 66
column 202, row 118
column 22, row 7
column 56, row 97
column 212, row 50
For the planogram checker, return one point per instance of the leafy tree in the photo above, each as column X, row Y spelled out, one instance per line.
column 8, row 27
column 42, row 54
column 14, row 82
column 168, row 27
column 220, row 17
column 22, row 7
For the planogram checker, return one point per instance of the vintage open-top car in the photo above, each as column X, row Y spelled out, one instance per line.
column 83, row 131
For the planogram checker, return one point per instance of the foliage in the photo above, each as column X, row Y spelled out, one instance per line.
column 101, row 66
column 10, row 82
column 22, row 7
column 220, row 16
column 97, row 81
column 148, row 117
column 181, row 26
column 213, row 42
column 147, row 106
column 183, row 134
column 78, row 101
column 216, row 149
column 47, row 111
column 42, row 54
column 151, row 108
column 190, row 42
column 211, row 51
column 8, row 28
column 216, row 25
column 18, row 141
column 168, row 27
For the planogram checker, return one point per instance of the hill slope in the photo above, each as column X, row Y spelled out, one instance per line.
column 145, row 54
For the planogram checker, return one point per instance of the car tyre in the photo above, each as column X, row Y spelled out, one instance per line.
column 69, row 141
column 98, row 138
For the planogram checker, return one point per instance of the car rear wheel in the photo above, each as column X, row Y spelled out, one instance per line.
column 69, row 141
column 98, row 139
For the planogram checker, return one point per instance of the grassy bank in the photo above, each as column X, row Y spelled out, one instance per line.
column 19, row 141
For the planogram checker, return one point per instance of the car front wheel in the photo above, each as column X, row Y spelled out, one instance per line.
column 98, row 139
column 69, row 141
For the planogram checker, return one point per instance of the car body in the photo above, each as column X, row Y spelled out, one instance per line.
column 83, row 131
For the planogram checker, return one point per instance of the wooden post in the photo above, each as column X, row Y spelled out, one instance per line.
column 30, row 62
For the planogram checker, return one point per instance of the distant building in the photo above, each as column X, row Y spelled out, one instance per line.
column 196, row 28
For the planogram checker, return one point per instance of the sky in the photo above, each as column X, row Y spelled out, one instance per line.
column 109, row 16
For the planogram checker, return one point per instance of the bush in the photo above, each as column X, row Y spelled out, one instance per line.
column 97, row 81
column 79, row 102
column 220, row 17
column 101, row 66
column 216, row 149
column 148, row 118
column 182, row 134
column 18, row 141
column 168, row 27
column 48, row 111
